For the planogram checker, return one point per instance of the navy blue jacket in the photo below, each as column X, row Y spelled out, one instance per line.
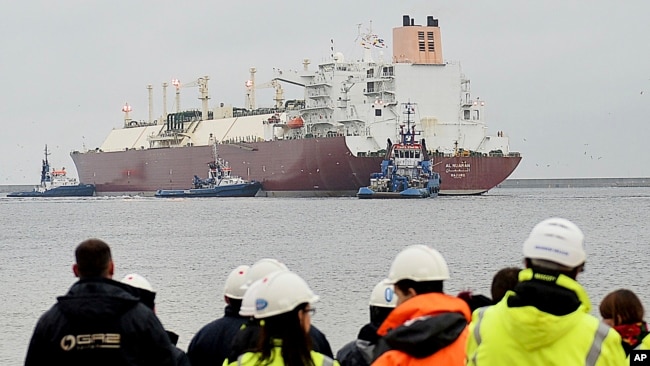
column 211, row 344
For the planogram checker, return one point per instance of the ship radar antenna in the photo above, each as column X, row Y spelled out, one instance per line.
column 368, row 40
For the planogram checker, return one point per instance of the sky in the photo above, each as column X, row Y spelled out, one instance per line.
column 567, row 81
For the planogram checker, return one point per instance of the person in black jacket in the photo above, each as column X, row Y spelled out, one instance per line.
column 246, row 339
column 211, row 344
column 99, row 321
column 360, row 351
column 148, row 297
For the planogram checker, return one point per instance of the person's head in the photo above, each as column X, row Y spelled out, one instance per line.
column 93, row 259
column 555, row 246
column 262, row 268
column 504, row 280
column 621, row 307
column 147, row 294
column 417, row 270
column 283, row 307
column 233, row 289
column 382, row 302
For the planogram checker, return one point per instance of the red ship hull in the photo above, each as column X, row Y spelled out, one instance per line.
column 302, row 167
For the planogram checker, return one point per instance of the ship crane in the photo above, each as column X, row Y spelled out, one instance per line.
column 251, row 87
column 202, row 83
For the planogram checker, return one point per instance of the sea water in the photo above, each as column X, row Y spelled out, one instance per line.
column 341, row 246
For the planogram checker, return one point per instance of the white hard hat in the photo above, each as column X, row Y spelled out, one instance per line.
column 281, row 292
column 261, row 268
column 383, row 295
column 233, row 287
column 138, row 281
column 556, row 240
column 418, row 263
column 248, row 302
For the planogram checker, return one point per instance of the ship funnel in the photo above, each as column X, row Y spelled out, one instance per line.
column 431, row 22
column 406, row 20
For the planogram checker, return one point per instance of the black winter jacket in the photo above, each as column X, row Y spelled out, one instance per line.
column 211, row 345
column 99, row 322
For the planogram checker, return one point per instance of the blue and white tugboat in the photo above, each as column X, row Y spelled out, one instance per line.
column 406, row 171
column 56, row 183
column 219, row 183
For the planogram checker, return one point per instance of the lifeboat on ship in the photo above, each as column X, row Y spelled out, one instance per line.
column 296, row 122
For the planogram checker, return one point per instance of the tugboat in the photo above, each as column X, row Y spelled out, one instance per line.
column 56, row 183
column 219, row 183
column 406, row 169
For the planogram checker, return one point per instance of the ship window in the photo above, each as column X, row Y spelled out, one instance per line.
column 421, row 46
column 430, row 36
column 370, row 73
column 421, row 36
column 475, row 115
column 377, row 112
column 466, row 114
column 371, row 87
column 417, row 154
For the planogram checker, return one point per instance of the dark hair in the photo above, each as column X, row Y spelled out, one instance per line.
column 235, row 304
column 552, row 268
column 286, row 327
column 378, row 314
column 423, row 287
column 622, row 306
column 93, row 258
column 505, row 279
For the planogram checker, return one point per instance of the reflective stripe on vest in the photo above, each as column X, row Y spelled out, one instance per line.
column 596, row 345
column 477, row 332
column 327, row 361
column 239, row 359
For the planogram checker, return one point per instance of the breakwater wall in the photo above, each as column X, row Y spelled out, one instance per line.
column 575, row 182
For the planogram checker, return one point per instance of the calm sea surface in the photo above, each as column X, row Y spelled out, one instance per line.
column 341, row 246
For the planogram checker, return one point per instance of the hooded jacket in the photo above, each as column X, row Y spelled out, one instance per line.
column 544, row 321
column 428, row 329
column 99, row 322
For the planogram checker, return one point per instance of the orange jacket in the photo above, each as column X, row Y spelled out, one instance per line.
column 423, row 306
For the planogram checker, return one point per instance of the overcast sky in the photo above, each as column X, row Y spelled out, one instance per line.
column 568, row 81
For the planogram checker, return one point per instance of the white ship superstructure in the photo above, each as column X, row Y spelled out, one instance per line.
column 360, row 99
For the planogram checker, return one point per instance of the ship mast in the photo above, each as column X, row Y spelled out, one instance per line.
column 164, row 87
column 177, row 84
column 127, row 109
column 250, row 89
column 150, row 89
